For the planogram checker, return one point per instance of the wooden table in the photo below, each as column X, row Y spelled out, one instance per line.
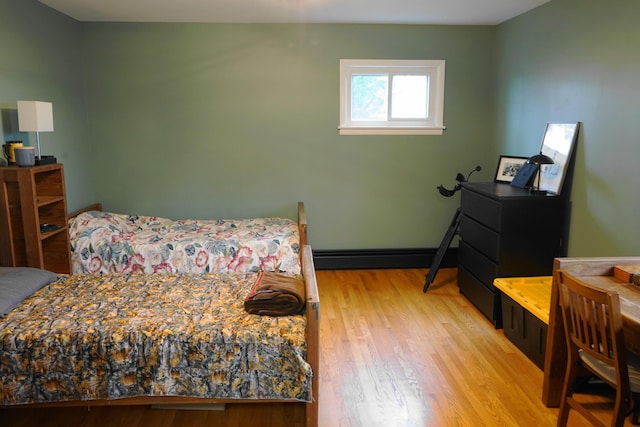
column 597, row 272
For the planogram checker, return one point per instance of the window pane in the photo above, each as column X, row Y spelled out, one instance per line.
column 409, row 97
column 369, row 97
column 391, row 97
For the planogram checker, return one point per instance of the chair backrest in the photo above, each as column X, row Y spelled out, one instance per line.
column 593, row 323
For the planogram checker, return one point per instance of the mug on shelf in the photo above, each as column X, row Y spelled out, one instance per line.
column 25, row 156
column 8, row 149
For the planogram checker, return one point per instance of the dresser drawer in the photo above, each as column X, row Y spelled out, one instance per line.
column 483, row 209
column 487, row 300
column 506, row 231
column 477, row 264
column 482, row 238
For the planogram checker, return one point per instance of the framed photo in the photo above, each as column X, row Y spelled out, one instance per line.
column 558, row 143
column 508, row 167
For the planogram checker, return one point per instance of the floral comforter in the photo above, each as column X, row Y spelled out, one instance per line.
column 104, row 242
column 114, row 336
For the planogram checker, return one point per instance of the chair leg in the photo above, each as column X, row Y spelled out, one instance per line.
column 563, row 415
column 567, row 392
column 634, row 412
column 620, row 409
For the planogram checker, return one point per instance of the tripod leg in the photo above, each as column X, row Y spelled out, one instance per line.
column 444, row 245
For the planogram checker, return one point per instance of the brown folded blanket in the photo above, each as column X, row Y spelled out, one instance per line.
column 275, row 294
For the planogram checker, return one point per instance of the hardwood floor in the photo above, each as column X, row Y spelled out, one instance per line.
column 391, row 355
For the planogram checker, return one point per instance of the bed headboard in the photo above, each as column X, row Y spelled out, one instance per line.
column 93, row 207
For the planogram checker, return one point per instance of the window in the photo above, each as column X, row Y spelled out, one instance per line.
column 391, row 97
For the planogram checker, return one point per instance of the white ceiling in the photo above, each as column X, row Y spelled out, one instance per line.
column 456, row 12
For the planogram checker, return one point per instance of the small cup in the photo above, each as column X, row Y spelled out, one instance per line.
column 25, row 156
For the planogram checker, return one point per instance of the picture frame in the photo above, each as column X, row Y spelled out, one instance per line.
column 558, row 143
column 508, row 167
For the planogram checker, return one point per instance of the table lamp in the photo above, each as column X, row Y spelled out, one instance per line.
column 36, row 116
column 538, row 160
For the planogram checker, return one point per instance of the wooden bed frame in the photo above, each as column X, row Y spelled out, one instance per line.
column 312, row 337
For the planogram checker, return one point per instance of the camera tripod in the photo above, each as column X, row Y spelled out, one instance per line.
column 451, row 231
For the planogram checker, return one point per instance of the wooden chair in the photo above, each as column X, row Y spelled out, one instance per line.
column 595, row 341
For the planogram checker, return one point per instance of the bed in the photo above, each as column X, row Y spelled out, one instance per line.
column 122, row 339
column 106, row 242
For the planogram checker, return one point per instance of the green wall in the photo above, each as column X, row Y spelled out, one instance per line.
column 578, row 60
column 40, row 60
column 199, row 120
column 207, row 120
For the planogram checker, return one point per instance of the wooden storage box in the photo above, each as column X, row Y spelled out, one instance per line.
column 525, row 330
column 525, row 314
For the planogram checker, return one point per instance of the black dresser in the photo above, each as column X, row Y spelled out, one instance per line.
column 505, row 232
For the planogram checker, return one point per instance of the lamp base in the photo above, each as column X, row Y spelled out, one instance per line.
column 538, row 192
column 46, row 160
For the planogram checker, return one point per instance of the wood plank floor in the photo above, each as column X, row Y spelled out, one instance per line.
column 391, row 355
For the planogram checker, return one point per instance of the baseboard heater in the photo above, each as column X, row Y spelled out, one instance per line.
column 360, row 259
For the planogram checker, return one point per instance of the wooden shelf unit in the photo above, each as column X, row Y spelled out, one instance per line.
column 29, row 197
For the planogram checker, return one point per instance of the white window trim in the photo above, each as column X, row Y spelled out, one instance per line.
column 434, row 68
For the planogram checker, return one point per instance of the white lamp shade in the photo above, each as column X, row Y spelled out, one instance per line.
column 35, row 116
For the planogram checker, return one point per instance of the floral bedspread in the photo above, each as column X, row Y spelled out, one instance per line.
column 104, row 242
column 114, row 336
